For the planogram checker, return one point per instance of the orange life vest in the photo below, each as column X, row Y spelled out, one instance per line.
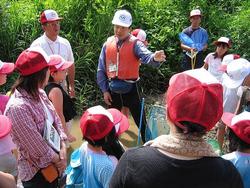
column 122, row 63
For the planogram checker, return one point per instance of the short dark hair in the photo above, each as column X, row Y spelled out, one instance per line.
column 235, row 143
column 191, row 128
column 31, row 83
column 101, row 142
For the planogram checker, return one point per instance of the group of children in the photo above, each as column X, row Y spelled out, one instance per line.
column 29, row 111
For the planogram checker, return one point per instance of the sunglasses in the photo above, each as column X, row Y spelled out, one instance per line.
column 221, row 44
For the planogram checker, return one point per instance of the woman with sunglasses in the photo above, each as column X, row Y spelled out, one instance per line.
column 213, row 60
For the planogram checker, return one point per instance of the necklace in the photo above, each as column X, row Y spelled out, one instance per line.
column 52, row 51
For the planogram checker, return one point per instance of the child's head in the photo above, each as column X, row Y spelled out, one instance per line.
column 194, row 101
column 239, row 130
column 222, row 46
column 5, row 68
column 99, row 125
column 141, row 35
column 58, row 71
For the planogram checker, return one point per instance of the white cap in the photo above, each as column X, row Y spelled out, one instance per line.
column 122, row 18
column 195, row 12
column 237, row 71
column 223, row 40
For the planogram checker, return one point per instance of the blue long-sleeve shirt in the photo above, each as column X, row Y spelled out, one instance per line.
column 140, row 50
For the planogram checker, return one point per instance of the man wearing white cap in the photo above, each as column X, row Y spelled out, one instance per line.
column 52, row 43
column 199, row 37
column 118, row 67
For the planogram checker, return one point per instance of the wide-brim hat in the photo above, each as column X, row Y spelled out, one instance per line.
column 237, row 71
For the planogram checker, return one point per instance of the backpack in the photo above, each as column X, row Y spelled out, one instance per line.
column 74, row 170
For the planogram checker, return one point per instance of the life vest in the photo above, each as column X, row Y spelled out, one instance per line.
column 122, row 63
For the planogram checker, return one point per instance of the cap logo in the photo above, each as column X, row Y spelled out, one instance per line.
column 122, row 17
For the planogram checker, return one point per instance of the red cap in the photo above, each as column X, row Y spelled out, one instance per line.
column 60, row 62
column 49, row 16
column 6, row 68
column 32, row 60
column 240, row 124
column 97, row 122
column 194, row 96
column 5, row 126
column 141, row 35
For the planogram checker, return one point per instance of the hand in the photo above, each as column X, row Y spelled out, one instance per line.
column 107, row 98
column 71, row 91
column 159, row 56
column 193, row 50
column 71, row 138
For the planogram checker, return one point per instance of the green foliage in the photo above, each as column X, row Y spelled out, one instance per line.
column 87, row 24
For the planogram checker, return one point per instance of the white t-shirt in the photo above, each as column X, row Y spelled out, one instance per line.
column 60, row 46
column 214, row 65
column 230, row 99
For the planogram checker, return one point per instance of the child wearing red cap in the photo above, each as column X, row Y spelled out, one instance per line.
column 239, row 143
column 182, row 158
column 99, row 127
column 5, row 68
column 31, row 113
column 60, row 99
column 213, row 60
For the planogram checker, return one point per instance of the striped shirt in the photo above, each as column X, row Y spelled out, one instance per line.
column 28, row 120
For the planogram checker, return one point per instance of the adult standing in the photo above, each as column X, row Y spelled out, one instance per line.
column 182, row 158
column 118, row 67
column 31, row 113
column 52, row 43
column 199, row 37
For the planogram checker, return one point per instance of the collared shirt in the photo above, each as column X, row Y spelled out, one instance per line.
column 28, row 122
column 60, row 46
column 140, row 50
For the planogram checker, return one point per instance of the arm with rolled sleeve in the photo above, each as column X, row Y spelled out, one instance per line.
column 102, row 79
column 145, row 55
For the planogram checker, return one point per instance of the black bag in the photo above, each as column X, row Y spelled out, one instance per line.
column 120, row 86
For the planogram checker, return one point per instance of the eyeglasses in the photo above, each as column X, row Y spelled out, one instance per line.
column 223, row 45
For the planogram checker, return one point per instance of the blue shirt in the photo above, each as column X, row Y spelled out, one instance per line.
column 140, row 50
column 242, row 162
column 199, row 36
column 97, row 168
